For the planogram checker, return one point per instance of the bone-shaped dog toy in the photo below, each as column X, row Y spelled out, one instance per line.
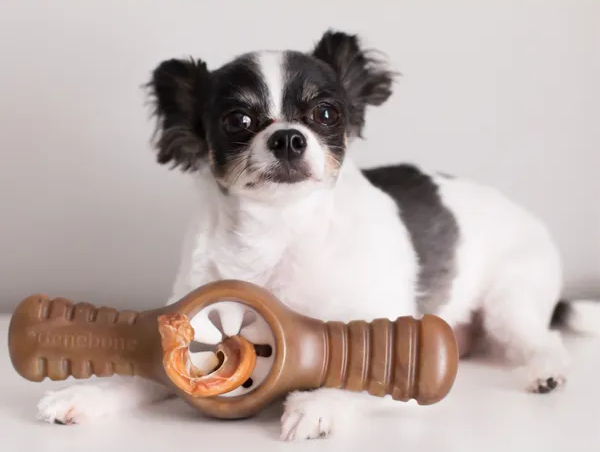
column 253, row 350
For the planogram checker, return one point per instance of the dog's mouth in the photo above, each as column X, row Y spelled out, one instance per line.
column 286, row 172
column 247, row 173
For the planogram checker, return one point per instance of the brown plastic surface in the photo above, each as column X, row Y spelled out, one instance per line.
column 407, row 358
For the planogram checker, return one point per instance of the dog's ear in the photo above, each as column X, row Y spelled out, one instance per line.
column 178, row 89
column 366, row 79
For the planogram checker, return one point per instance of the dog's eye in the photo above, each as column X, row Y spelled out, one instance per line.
column 237, row 121
column 325, row 114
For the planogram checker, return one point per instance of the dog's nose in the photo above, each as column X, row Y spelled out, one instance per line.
column 287, row 144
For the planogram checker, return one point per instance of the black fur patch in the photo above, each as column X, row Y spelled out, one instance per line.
column 180, row 89
column 237, row 85
column 190, row 104
column 560, row 315
column 433, row 229
column 365, row 78
column 309, row 82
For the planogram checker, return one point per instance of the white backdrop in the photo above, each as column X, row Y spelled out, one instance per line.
column 506, row 92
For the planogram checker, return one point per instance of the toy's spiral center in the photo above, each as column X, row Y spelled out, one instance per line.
column 223, row 321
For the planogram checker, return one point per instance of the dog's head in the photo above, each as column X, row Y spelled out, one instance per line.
column 268, row 118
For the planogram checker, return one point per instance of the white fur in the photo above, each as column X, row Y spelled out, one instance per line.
column 509, row 267
column 343, row 253
column 272, row 72
column 83, row 402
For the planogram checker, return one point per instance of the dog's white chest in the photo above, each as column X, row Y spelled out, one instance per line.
column 321, row 255
column 327, row 282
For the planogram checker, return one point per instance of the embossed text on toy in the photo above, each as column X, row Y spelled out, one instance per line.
column 81, row 341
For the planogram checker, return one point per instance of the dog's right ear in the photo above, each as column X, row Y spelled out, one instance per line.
column 178, row 89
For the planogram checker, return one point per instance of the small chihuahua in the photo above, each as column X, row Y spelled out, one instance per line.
column 281, row 204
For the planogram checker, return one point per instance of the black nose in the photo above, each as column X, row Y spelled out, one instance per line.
column 287, row 144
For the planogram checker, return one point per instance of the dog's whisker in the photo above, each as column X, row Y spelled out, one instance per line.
column 238, row 142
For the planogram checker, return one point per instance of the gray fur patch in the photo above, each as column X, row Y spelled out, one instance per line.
column 433, row 229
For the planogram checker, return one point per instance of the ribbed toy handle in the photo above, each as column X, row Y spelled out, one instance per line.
column 408, row 358
column 56, row 338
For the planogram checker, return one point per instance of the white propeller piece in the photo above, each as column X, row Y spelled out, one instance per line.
column 232, row 318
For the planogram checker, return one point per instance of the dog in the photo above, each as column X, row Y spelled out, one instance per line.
column 281, row 204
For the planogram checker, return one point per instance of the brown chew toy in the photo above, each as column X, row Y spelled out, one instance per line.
column 406, row 358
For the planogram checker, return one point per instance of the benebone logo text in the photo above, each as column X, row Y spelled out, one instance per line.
column 82, row 341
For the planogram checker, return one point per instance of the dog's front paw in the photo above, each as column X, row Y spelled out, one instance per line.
column 546, row 373
column 72, row 405
column 306, row 416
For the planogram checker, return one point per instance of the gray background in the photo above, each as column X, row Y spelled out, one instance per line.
column 505, row 92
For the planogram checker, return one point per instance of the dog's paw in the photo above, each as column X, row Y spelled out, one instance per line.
column 72, row 405
column 545, row 385
column 306, row 417
column 546, row 374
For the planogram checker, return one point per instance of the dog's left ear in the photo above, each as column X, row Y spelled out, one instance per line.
column 178, row 89
column 366, row 80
